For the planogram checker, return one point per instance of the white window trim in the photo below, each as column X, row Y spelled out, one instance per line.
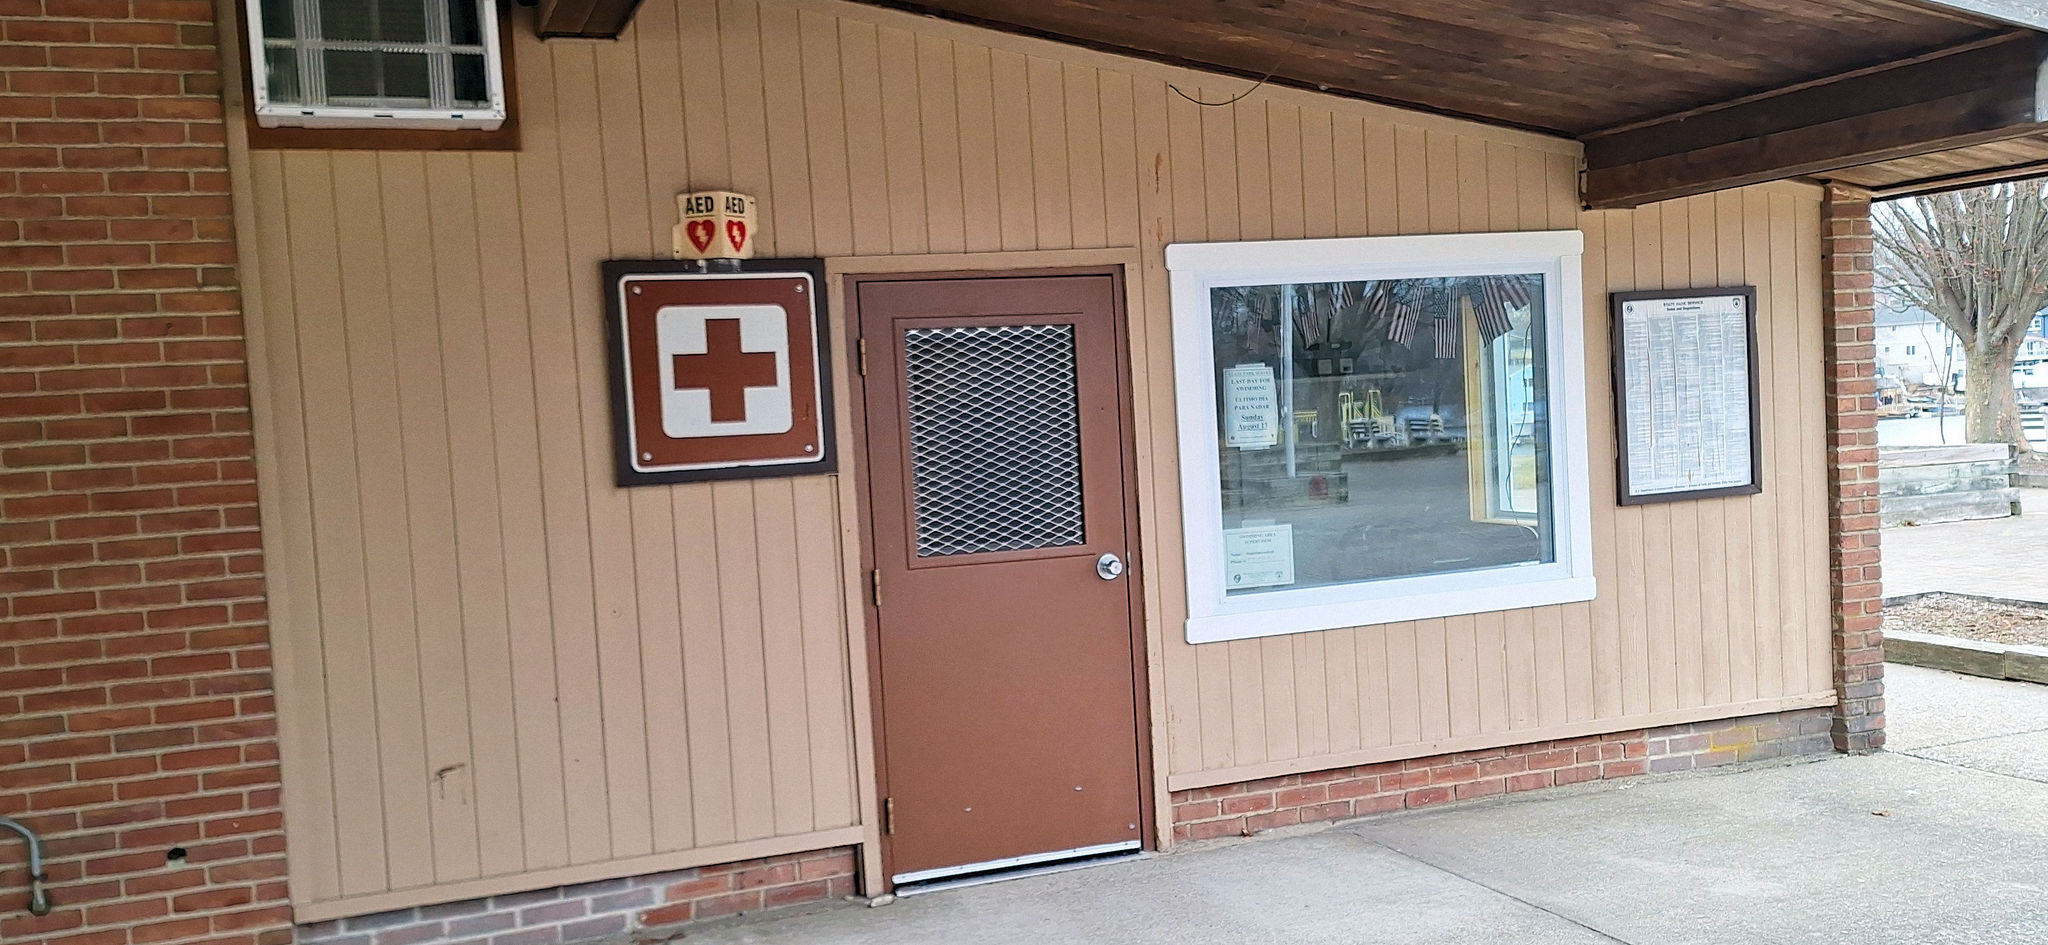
column 1195, row 268
column 271, row 114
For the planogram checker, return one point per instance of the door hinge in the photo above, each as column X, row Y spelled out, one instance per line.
column 863, row 357
column 875, row 585
column 889, row 816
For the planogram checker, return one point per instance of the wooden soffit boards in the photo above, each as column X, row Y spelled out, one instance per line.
column 1973, row 166
column 1790, row 84
column 1565, row 67
column 1971, row 96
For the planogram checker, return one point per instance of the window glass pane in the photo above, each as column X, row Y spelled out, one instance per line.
column 1509, row 381
column 465, row 24
column 1384, row 429
column 281, row 75
column 277, row 20
column 405, row 75
column 470, row 85
column 395, row 21
column 347, row 21
column 351, row 74
column 393, row 77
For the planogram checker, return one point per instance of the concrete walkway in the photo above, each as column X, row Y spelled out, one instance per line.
column 1935, row 841
column 2001, row 557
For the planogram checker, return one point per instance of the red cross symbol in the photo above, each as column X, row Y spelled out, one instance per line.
column 724, row 370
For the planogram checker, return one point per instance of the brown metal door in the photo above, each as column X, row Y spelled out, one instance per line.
column 1008, row 684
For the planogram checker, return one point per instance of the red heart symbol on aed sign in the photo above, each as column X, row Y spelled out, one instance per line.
column 736, row 234
column 700, row 233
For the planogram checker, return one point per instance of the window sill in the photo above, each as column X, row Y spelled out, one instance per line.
column 504, row 138
column 1279, row 621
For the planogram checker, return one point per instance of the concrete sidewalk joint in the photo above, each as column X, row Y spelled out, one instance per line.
column 1454, row 874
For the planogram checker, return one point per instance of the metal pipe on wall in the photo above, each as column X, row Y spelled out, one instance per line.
column 38, row 896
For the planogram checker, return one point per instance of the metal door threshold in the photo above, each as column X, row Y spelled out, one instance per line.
column 1016, row 867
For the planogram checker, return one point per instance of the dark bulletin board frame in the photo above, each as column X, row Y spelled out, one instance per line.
column 1624, row 492
column 624, row 475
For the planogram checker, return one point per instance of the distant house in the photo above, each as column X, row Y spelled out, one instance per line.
column 1914, row 347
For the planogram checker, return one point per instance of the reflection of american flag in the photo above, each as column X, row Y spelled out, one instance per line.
column 1445, row 326
column 1399, row 312
column 1517, row 290
column 1309, row 323
column 1498, row 297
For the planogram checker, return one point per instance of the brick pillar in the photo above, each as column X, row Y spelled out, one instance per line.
column 1856, row 595
column 136, row 720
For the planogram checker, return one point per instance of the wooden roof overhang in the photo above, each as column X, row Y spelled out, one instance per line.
column 1670, row 97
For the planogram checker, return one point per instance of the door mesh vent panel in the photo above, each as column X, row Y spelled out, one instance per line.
column 995, row 438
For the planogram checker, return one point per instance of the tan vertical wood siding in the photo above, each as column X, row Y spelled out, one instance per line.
column 501, row 671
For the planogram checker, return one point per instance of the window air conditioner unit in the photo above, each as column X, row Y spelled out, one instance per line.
column 432, row 64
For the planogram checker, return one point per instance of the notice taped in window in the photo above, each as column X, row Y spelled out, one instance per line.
column 1251, row 407
column 1258, row 556
column 1687, row 394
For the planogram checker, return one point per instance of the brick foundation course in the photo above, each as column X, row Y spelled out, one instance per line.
column 649, row 908
column 1243, row 809
column 136, row 719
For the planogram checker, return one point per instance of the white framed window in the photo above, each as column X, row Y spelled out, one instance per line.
column 1380, row 429
column 376, row 63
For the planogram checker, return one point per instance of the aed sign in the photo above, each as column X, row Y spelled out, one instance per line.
column 715, row 224
column 718, row 375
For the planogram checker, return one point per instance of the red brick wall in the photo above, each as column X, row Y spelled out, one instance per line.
column 1243, row 809
column 135, row 705
column 1857, row 595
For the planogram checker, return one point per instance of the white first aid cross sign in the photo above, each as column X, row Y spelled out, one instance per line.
column 724, row 370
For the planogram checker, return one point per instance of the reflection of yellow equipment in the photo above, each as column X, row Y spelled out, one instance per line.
column 1358, row 408
column 1366, row 421
column 1306, row 423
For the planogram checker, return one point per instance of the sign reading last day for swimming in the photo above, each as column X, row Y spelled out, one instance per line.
column 1251, row 407
column 718, row 375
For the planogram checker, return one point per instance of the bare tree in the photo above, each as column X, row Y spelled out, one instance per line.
column 1978, row 261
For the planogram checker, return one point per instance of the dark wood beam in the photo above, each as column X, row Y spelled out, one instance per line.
column 1974, row 94
column 584, row 19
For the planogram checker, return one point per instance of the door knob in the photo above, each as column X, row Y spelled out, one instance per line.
column 1109, row 567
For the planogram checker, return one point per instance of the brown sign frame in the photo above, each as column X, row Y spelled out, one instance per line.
column 1624, row 493
column 735, row 457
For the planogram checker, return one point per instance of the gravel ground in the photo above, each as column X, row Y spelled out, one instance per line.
column 1971, row 618
column 2034, row 463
